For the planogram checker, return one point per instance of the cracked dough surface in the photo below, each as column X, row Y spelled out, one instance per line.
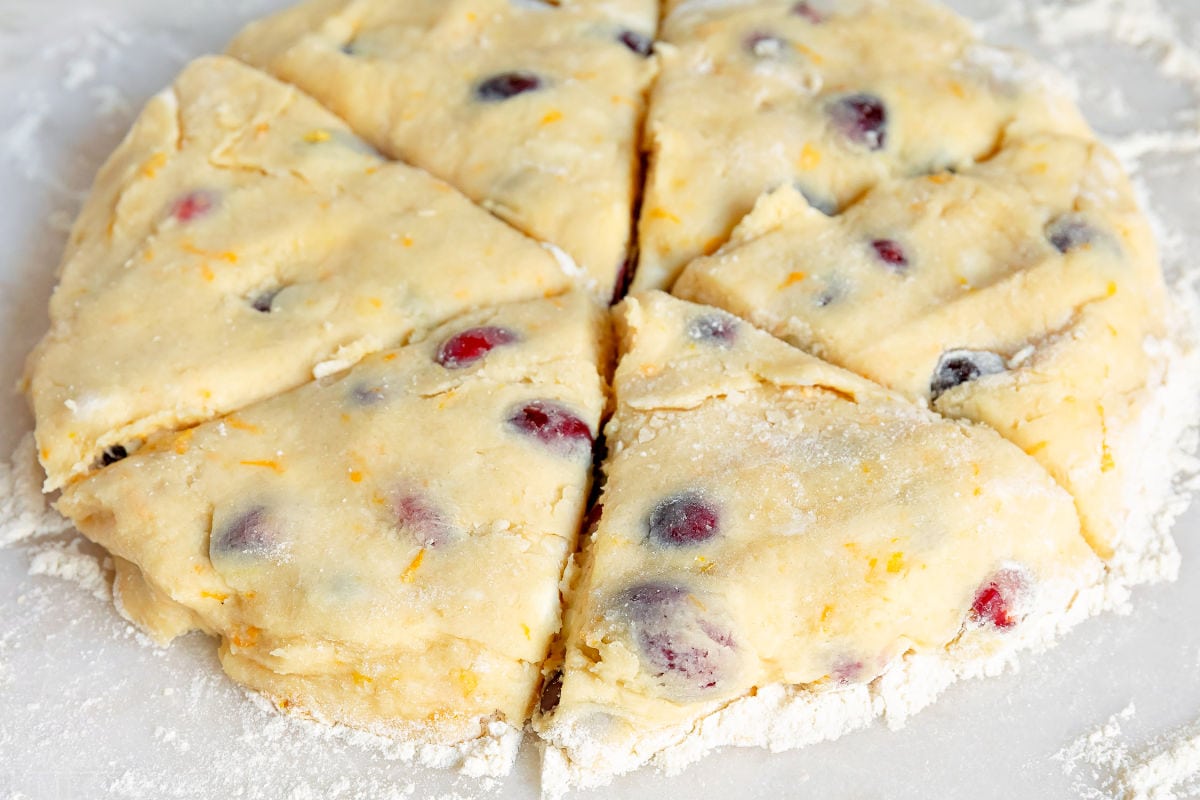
column 240, row 236
column 382, row 548
column 1032, row 274
column 767, row 519
column 754, row 96
column 530, row 108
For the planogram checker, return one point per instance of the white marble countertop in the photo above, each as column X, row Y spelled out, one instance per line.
column 89, row 710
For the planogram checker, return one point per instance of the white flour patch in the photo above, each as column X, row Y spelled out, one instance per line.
column 1105, row 766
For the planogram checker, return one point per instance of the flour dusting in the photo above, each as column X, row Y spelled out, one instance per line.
column 1106, row 766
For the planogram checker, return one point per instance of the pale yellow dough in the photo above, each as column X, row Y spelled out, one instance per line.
column 854, row 528
column 746, row 101
column 560, row 161
column 233, row 190
column 383, row 547
column 1066, row 332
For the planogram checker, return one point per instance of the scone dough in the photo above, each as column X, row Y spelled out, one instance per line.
column 1020, row 293
column 239, row 240
column 382, row 548
column 531, row 108
column 827, row 97
column 768, row 518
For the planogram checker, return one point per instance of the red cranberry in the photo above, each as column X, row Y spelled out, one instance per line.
column 683, row 520
column 891, row 253
column 194, row 205
column 637, row 42
column 996, row 601
column 862, row 119
column 805, row 9
column 507, row 84
column 416, row 516
column 552, row 424
column 957, row 367
column 464, row 349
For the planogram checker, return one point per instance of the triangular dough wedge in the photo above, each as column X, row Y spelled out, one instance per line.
column 779, row 543
column 1024, row 293
column 827, row 96
column 238, row 240
column 531, row 108
column 382, row 548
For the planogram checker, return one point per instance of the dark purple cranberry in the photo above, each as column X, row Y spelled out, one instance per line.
column 862, row 119
column 713, row 329
column 805, row 9
column 957, row 367
column 552, row 424
column 551, row 693
column 891, row 253
column 682, row 647
column 637, row 42
column 1070, row 232
column 418, row 518
column 194, row 205
column 683, row 520
column 253, row 533
column 262, row 301
column 368, row 394
column 112, row 455
column 507, row 84
column 764, row 45
column 467, row 347
column 996, row 602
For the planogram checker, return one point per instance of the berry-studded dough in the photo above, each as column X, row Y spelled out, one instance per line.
column 532, row 109
column 827, row 96
column 1021, row 293
column 383, row 547
column 240, row 239
column 768, row 519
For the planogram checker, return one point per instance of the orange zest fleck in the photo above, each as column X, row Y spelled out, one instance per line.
column 466, row 679
column 268, row 464
column 153, row 164
column 356, row 476
column 207, row 273
column 525, row 629
column 941, row 178
column 317, row 136
column 360, row 679
column 390, row 357
column 234, row 421
column 1034, row 449
column 662, row 213
column 810, row 157
column 550, row 117
column 247, row 637
column 407, row 241
column 412, row 568
column 218, row 596
column 793, row 278
column 895, row 563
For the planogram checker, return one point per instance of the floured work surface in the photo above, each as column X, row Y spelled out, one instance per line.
column 167, row 736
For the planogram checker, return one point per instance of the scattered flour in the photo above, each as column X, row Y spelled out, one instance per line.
column 1103, row 762
column 1106, row 766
